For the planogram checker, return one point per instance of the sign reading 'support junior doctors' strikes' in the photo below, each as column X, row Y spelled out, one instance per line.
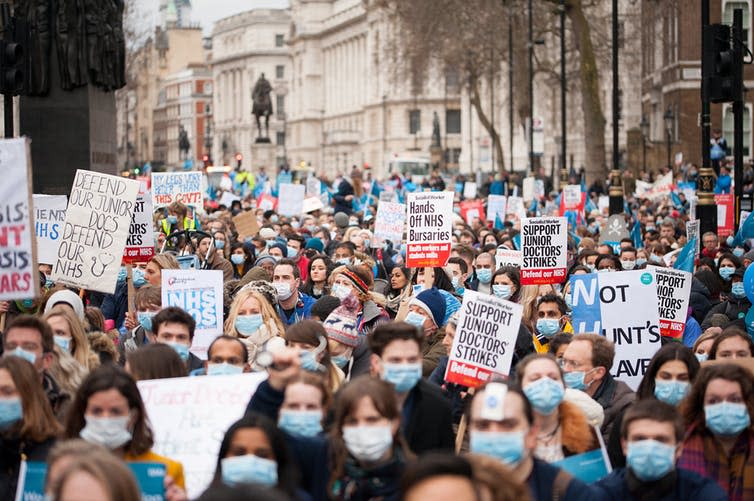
column 544, row 243
column 484, row 341
column 430, row 225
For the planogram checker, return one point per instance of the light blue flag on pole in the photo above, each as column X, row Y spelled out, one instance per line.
column 583, row 184
column 576, row 238
column 517, row 241
column 676, row 200
column 589, row 206
column 498, row 222
column 685, row 259
column 745, row 231
column 636, row 236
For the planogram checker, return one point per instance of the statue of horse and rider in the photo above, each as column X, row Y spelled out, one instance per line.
column 262, row 107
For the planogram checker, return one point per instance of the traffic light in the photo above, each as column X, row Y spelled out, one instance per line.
column 205, row 159
column 722, row 73
column 14, row 59
column 239, row 160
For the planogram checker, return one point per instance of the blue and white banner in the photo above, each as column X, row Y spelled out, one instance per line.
column 623, row 307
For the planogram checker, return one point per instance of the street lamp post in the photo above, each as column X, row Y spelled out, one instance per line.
column 669, row 118
column 644, row 124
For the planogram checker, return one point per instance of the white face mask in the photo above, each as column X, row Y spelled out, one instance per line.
column 283, row 289
column 368, row 443
column 110, row 432
column 628, row 265
column 340, row 291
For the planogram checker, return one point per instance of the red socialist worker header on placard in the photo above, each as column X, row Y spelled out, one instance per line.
column 544, row 242
column 430, row 225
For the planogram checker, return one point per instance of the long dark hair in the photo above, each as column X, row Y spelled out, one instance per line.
column 287, row 474
column 669, row 352
column 692, row 408
column 308, row 287
column 109, row 377
column 441, row 281
column 515, row 276
column 406, row 273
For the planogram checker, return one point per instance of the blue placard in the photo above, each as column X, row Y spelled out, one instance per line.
column 587, row 467
column 33, row 487
column 151, row 480
column 586, row 315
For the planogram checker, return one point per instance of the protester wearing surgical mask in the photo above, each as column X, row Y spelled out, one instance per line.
column 226, row 356
column 563, row 428
column 293, row 305
column 365, row 431
column 732, row 343
column 307, row 399
column 586, row 366
column 221, row 243
column 27, row 424
column 484, row 265
column 552, row 318
column 628, row 258
column 241, row 257
column 357, row 281
column 651, row 438
column 295, row 252
column 310, row 337
column 607, row 263
column 207, row 250
column 397, row 358
column 344, row 340
column 735, row 304
column 70, row 337
column 588, row 259
column 717, row 420
column 175, row 328
column 726, row 266
column 426, row 312
column 506, row 283
column 253, row 320
column 459, row 273
column 108, row 410
column 501, row 426
column 344, row 254
column 148, row 302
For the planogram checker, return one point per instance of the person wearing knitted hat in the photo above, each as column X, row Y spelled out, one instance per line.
column 357, row 281
column 278, row 251
column 426, row 312
column 67, row 298
column 342, row 332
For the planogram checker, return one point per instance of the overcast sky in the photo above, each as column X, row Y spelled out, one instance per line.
column 206, row 12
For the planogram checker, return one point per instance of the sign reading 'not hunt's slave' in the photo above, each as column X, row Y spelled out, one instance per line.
column 430, row 225
column 544, row 243
column 97, row 223
column 484, row 341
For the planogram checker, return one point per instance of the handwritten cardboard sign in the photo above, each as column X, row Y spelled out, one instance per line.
column 49, row 215
column 246, row 224
column 389, row 224
column 184, row 187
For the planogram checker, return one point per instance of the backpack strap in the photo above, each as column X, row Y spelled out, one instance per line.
column 560, row 485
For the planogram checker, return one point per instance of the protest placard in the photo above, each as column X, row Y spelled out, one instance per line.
column 189, row 417
column 623, row 307
column 692, row 232
column 31, row 481
column 184, row 187
column 661, row 187
column 495, row 207
column 200, row 293
column 311, row 204
column 291, row 199
column 571, row 197
column 485, row 339
column 516, row 207
column 18, row 263
column 725, row 213
column 588, row 466
column 97, row 223
column 673, row 291
column 266, row 202
column 508, row 257
column 246, row 224
column 469, row 190
column 227, row 198
column 49, row 215
column 471, row 209
column 389, row 224
column 140, row 243
column 313, row 187
column 528, row 189
column 544, row 243
column 539, row 189
column 430, row 226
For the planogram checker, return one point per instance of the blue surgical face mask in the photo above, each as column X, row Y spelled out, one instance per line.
column 640, row 261
column 181, row 349
column 11, row 412
column 224, row 369
column 575, row 380
column 702, row 357
column 507, row 447
column 237, row 259
column 219, row 244
column 344, row 261
column 484, row 275
column 122, row 274
column 309, row 361
column 545, row 395
column 340, row 291
column 145, row 319
column 548, row 327
column 246, row 325
column 650, row 459
column 502, row 291
column 415, row 319
column 726, row 272
column 172, row 219
column 737, row 290
column 671, row 392
column 727, row 418
column 274, row 218
column 340, row 360
column 49, row 283
column 21, row 353
column 301, row 423
column 63, row 342
column 249, row 469
column 138, row 277
column 292, row 253
column 27, row 304
column 403, row 376
column 738, row 252
column 655, row 258
column 568, row 298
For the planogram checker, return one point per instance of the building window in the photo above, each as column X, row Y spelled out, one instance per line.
column 279, row 40
column 279, row 71
column 728, row 9
column 452, row 155
column 453, row 121
column 280, row 138
column 414, row 121
column 280, row 104
column 728, row 129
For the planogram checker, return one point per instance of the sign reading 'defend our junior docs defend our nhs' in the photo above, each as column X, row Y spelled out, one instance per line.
column 544, row 243
column 430, row 226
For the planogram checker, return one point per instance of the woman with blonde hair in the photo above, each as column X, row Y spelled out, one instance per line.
column 153, row 271
column 70, row 336
column 253, row 320
column 101, row 475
